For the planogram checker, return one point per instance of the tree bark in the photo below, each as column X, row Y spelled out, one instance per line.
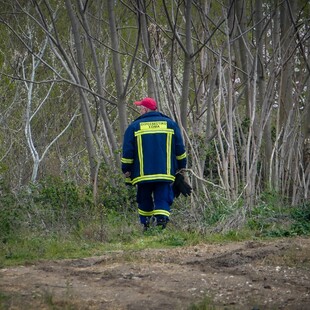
column 187, row 63
column 237, row 25
column 143, row 21
column 262, row 97
column 87, row 119
column 117, row 68
column 110, row 139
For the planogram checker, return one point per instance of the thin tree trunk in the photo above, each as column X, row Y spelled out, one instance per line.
column 147, row 47
column 286, row 106
column 87, row 120
column 100, row 86
column 306, row 148
column 237, row 22
column 261, row 76
column 117, row 68
column 187, row 63
column 233, row 180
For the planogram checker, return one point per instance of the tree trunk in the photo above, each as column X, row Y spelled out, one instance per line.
column 110, row 137
column 262, row 95
column 187, row 64
column 286, row 116
column 306, row 150
column 87, row 120
column 117, row 68
column 147, row 47
column 237, row 26
column 286, row 85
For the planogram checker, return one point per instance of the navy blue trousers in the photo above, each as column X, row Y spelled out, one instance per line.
column 154, row 199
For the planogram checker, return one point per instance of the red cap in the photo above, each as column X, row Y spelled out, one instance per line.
column 147, row 102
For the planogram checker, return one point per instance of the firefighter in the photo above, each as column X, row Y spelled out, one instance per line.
column 153, row 152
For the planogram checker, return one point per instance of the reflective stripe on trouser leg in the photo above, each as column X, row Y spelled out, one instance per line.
column 163, row 199
column 145, row 202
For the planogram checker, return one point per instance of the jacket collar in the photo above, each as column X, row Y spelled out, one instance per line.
column 149, row 114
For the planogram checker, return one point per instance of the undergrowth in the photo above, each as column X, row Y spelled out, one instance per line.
column 56, row 219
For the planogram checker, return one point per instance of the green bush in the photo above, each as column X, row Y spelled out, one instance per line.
column 272, row 217
column 10, row 214
column 60, row 204
column 114, row 193
column 301, row 217
column 51, row 205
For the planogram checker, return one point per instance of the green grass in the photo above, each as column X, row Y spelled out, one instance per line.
column 31, row 247
column 4, row 299
column 121, row 232
column 45, row 301
column 205, row 304
column 89, row 231
column 75, row 229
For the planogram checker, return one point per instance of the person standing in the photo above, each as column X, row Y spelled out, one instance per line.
column 153, row 151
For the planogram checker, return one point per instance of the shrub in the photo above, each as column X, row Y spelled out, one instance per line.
column 60, row 204
column 51, row 205
column 10, row 214
column 301, row 217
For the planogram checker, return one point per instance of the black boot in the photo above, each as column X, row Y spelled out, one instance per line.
column 162, row 222
column 146, row 227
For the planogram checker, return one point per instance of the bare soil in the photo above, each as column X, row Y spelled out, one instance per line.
column 243, row 275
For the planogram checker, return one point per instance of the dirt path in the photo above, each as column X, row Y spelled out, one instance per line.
column 246, row 275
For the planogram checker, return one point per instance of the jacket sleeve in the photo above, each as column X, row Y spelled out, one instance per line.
column 128, row 150
column 180, row 149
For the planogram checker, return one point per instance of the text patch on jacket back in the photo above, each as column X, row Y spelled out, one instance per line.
column 153, row 125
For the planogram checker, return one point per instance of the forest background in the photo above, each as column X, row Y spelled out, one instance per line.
column 233, row 74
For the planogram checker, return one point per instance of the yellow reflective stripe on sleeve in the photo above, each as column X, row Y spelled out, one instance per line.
column 168, row 146
column 161, row 212
column 145, row 213
column 182, row 156
column 140, row 154
column 127, row 160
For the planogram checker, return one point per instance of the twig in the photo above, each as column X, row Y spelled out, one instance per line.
column 201, row 179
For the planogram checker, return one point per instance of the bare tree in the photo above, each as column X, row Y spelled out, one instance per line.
column 80, row 76
column 117, row 68
column 143, row 26
column 187, row 48
column 110, row 137
column 31, row 112
column 234, row 74
column 263, row 100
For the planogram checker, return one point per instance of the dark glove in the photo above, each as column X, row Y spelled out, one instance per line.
column 180, row 186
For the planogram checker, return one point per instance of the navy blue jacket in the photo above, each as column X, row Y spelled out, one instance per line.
column 153, row 149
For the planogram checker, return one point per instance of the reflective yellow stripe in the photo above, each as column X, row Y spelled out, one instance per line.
column 161, row 212
column 127, row 160
column 128, row 180
column 154, row 212
column 140, row 154
column 168, row 151
column 145, row 213
column 142, row 132
column 153, row 177
column 182, row 156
